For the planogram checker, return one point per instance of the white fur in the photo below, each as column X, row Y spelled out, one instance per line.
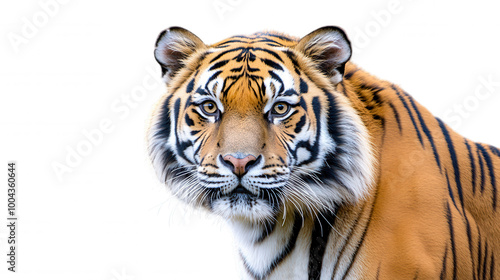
column 259, row 256
column 240, row 210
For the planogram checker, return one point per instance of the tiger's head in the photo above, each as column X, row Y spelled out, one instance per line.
column 254, row 126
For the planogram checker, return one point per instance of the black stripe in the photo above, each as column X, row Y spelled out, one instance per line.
column 443, row 267
column 181, row 146
column 267, row 176
column 273, row 182
column 201, row 144
column 267, row 40
column 396, row 115
column 218, row 65
column 426, row 130
column 272, row 64
column 269, row 227
column 454, row 160
column 189, row 121
column 246, row 55
column 278, row 79
column 481, row 165
column 492, row 267
column 238, row 69
column 209, row 164
column 472, row 167
column 251, row 70
column 332, row 164
column 491, row 170
column 409, row 113
column 334, row 119
column 297, row 226
column 164, row 120
column 300, row 124
column 349, row 74
column 188, row 102
column 270, row 52
column 163, row 133
column 479, row 254
column 313, row 149
column 362, row 239
column 273, row 45
column 293, row 59
column 190, row 86
column 289, row 92
column 469, row 239
column 213, row 77
column 201, row 91
column 452, row 240
column 225, row 52
column 303, row 86
column 373, row 89
column 349, row 235
column 226, row 89
column 485, row 262
column 344, row 91
column 450, row 191
column 377, row 117
column 257, row 94
column 169, row 161
column 376, row 96
column 495, row 151
column 201, row 57
column 211, row 175
column 303, row 104
column 193, row 110
column 319, row 240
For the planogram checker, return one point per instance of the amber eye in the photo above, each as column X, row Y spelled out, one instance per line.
column 280, row 109
column 209, row 107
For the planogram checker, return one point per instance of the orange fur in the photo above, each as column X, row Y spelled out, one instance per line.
column 410, row 228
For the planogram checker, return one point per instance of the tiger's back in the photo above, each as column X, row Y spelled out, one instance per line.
column 435, row 205
column 322, row 170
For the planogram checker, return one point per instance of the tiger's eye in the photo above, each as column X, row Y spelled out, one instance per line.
column 209, row 107
column 280, row 108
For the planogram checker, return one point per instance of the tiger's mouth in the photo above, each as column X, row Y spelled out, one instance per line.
column 240, row 189
column 242, row 204
column 238, row 195
column 241, row 195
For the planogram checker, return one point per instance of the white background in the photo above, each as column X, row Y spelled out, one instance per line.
column 67, row 68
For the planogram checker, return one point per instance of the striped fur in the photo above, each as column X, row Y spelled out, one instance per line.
column 356, row 180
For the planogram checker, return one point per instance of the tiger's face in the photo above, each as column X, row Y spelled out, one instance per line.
column 253, row 126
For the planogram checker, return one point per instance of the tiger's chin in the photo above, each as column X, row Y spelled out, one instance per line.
column 243, row 207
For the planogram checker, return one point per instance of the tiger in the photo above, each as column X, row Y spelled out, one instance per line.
column 320, row 169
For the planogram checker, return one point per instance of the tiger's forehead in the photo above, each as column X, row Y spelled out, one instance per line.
column 272, row 39
column 249, row 69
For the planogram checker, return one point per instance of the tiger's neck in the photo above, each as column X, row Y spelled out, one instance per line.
column 297, row 247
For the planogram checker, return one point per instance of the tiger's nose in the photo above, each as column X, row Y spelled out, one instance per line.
column 239, row 164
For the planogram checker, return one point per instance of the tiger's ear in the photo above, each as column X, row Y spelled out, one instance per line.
column 329, row 48
column 173, row 46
